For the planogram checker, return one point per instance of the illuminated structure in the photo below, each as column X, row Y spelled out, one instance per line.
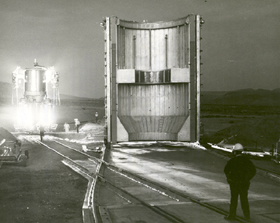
column 35, row 94
column 152, row 79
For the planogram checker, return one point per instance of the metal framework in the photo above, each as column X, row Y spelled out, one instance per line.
column 146, row 66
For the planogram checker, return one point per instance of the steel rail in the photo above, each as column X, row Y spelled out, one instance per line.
column 154, row 208
column 88, row 215
column 83, row 171
column 94, row 159
column 138, row 178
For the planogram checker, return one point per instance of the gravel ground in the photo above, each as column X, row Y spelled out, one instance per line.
column 43, row 191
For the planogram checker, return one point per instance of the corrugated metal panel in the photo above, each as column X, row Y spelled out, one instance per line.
column 149, row 49
column 153, row 109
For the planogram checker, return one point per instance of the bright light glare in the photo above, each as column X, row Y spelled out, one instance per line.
column 46, row 116
column 29, row 116
column 24, row 117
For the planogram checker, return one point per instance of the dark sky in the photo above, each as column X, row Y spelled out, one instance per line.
column 241, row 39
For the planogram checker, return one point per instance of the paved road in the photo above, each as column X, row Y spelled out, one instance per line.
column 199, row 174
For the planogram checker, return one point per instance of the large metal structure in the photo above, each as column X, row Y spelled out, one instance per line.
column 152, row 79
column 35, row 93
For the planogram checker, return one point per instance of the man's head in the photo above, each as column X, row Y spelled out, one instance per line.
column 237, row 149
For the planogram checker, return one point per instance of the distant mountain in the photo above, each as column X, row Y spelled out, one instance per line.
column 71, row 97
column 211, row 96
column 259, row 97
column 6, row 93
column 5, row 90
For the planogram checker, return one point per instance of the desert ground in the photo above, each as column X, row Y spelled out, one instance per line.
column 45, row 190
column 252, row 130
column 247, row 116
column 60, row 192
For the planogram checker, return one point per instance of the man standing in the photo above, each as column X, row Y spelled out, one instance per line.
column 239, row 171
column 77, row 124
column 41, row 130
column 96, row 117
column 66, row 127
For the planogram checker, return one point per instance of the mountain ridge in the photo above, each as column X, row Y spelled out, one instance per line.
column 248, row 96
column 6, row 93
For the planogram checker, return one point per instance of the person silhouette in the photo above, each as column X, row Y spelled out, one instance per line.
column 239, row 171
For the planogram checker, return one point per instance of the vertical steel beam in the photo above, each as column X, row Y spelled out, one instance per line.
column 192, row 87
column 197, row 55
column 166, row 51
column 114, row 68
column 189, row 66
column 108, row 78
column 134, row 51
column 150, row 49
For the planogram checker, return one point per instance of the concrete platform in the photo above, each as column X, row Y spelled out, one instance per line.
column 196, row 173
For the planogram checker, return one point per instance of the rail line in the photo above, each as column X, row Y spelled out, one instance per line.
column 113, row 178
column 162, row 191
column 70, row 159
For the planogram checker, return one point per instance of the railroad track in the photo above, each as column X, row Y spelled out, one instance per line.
column 126, row 188
column 79, row 161
column 269, row 173
column 153, row 196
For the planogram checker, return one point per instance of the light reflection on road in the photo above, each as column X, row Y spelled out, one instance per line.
column 206, row 186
